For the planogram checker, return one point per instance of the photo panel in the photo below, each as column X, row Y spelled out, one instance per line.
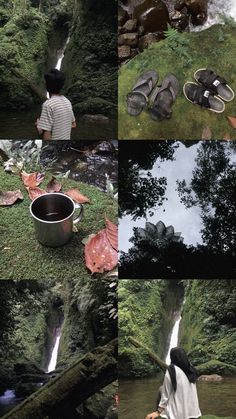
column 177, row 348
column 58, row 62
column 176, row 78
column 58, row 348
column 177, row 209
column 55, row 197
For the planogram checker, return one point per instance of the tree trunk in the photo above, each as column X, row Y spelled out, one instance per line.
column 151, row 354
column 31, row 85
column 64, row 393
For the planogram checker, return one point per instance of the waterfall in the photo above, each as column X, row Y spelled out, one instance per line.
column 173, row 338
column 53, row 361
column 61, row 55
column 217, row 9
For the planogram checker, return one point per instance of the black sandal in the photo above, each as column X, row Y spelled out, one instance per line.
column 216, row 84
column 199, row 95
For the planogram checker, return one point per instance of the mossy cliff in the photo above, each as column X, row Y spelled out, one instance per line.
column 213, row 48
column 146, row 312
column 90, row 61
column 25, row 32
column 208, row 326
column 22, row 257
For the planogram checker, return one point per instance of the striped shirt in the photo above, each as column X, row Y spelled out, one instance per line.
column 57, row 117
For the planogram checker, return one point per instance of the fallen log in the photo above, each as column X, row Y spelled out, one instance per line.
column 62, row 395
column 31, row 85
column 151, row 354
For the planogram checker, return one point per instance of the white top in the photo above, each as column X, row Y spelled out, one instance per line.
column 57, row 116
column 182, row 403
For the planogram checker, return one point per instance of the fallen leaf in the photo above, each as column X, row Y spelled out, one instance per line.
column 31, row 180
column 232, row 121
column 99, row 254
column 35, row 192
column 77, row 196
column 53, row 186
column 226, row 137
column 10, row 197
column 112, row 233
column 87, row 238
column 206, row 133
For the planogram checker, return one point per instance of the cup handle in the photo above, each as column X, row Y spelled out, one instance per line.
column 80, row 215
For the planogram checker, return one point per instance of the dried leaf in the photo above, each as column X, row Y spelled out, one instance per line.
column 99, row 254
column 232, row 121
column 10, row 197
column 31, row 180
column 77, row 196
column 53, row 186
column 35, row 192
column 206, row 133
column 87, row 238
column 112, row 233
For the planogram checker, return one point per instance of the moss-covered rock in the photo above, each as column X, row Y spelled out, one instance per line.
column 24, row 258
column 213, row 48
column 92, row 79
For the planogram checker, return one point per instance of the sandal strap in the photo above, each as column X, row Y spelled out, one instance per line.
column 131, row 96
column 211, row 80
column 200, row 96
column 142, row 82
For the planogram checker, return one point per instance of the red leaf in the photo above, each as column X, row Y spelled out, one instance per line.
column 10, row 197
column 232, row 121
column 112, row 233
column 35, row 192
column 99, row 254
column 53, row 186
column 77, row 196
column 31, row 180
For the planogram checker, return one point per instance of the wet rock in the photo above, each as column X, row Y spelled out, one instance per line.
column 122, row 16
column 80, row 166
column 124, row 52
column 95, row 118
column 129, row 26
column 130, row 39
column 211, row 377
column 180, row 20
column 152, row 15
column 196, row 8
column 105, row 147
column 148, row 39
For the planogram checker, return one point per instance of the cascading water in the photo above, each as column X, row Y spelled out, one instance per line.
column 60, row 58
column 217, row 9
column 173, row 338
column 53, row 361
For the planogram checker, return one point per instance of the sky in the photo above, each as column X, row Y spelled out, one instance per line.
column 186, row 221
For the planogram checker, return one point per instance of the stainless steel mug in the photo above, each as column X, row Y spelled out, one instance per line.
column 53, row 215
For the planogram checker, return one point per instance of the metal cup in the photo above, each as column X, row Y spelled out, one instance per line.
column 53, row 215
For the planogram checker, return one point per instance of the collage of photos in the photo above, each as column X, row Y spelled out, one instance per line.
column 117, row 209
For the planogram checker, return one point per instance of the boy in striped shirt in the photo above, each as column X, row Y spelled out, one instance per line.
column 57, row 117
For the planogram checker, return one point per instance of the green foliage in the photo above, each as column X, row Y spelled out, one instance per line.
column 179, row 45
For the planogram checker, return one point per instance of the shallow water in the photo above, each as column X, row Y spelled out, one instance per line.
column 21, row 125
column 138, row 397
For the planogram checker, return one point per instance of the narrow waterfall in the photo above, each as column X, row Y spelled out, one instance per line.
column 216, row 10
column 53, row 360
column 173, row 338
column 60, row 58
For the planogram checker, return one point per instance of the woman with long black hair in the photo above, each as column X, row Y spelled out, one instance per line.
column 178, row 399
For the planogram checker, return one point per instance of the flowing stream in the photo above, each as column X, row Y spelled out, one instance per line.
column 217, row 9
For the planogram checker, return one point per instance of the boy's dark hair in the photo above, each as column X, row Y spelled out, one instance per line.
column 55, row 80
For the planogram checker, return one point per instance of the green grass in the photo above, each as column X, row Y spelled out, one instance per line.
column 22, row 257
column 214, row 48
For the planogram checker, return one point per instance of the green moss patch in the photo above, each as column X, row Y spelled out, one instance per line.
column 22, row 257
column 213, row 48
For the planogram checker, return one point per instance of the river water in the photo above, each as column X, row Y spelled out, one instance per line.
column 138, row 397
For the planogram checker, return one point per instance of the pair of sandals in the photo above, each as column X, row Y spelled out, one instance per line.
column 210, row 92
column 146, row 94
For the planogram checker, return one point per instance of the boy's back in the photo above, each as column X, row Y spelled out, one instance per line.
column 57, row 117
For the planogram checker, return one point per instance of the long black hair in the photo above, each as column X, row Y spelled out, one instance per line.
column 179, row 358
